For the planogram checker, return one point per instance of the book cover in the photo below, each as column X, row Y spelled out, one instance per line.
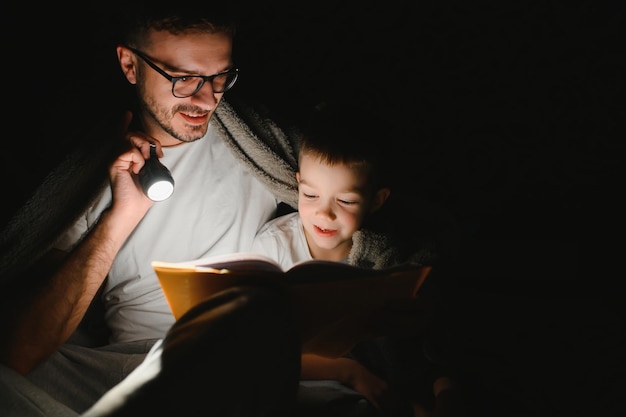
column 332, row 301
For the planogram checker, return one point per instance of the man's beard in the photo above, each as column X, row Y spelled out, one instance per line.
column 163, row 117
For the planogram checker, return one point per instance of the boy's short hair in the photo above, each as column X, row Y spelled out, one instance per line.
column 344, row 132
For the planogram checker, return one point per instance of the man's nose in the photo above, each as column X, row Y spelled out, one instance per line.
column 206, row 97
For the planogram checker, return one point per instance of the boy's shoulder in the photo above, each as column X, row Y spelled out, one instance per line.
column 281, row 224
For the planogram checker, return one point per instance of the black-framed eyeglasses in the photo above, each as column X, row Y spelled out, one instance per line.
column 188, row 85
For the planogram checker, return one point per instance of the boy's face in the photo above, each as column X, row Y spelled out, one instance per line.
column 169, row 119
column 333, row 201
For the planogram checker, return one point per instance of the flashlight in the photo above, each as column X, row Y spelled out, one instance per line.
column 155, row 179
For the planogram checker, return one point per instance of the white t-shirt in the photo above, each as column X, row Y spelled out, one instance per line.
column 217, row 207
column 283, row 240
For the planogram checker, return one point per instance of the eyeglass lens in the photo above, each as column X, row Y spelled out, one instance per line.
column 188, row 86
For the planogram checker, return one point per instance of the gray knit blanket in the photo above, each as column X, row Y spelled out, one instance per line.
column 267, row 150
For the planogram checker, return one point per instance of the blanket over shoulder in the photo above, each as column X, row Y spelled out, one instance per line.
column 268, row 151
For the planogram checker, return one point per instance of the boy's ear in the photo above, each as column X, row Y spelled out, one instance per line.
column 380, row 196
column 298, row 177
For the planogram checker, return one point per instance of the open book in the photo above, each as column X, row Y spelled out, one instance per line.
column 332, row 301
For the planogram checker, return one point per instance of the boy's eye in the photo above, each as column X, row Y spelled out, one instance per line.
column 308, row 195
column 348, row 203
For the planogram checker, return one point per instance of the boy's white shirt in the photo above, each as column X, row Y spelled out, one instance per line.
column 283, row 240
column 189, row 225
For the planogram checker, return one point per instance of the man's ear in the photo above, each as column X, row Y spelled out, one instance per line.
column 128, row 63
column 380, row 196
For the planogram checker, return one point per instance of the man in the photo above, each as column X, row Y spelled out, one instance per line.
column 228, row 184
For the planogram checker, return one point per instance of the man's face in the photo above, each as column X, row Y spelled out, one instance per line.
column 169, row 119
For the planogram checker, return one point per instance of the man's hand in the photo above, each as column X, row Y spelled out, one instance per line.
column 128, row 196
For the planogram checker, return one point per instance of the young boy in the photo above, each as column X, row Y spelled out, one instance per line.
column 343, row 184
column 340, row 184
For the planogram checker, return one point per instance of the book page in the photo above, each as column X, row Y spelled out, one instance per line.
column 242, row 261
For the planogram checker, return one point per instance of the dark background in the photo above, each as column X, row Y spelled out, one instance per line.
column 507, row 121
column 506, row 115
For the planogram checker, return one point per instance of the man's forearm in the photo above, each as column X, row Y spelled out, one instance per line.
column 48, row 319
